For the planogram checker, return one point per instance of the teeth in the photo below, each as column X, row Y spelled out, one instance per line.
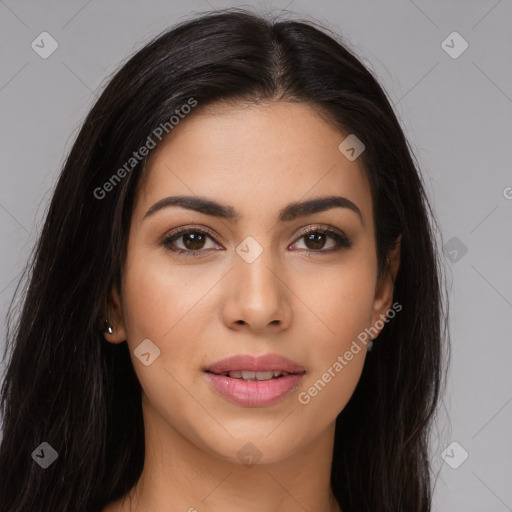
column 249, row 375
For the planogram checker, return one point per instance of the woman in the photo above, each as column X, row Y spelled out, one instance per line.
column 238, row 223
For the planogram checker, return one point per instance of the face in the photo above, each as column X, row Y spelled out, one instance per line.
column 295, row 282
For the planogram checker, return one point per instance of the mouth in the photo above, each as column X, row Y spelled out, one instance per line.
column 252, row 381
column 263, row 367
column 252, row 376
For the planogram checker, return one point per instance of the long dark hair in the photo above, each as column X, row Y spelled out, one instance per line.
column 64, row 385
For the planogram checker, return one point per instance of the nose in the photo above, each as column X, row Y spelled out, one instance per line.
column 257, row 297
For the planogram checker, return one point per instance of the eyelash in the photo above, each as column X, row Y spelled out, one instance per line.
column 341, row 239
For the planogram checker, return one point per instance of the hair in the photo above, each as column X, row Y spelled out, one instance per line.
column 66, row 386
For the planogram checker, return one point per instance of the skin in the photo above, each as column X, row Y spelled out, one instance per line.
column 198, row 310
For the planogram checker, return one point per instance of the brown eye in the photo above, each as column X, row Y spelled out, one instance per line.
column 193, row 242
column 315, row 240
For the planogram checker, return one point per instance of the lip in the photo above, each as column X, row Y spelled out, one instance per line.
column 255, row 363
column 254, row 393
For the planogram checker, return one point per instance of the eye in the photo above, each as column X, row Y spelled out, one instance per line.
column 315, row 240
column 193, row 241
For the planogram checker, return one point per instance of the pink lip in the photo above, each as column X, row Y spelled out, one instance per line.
column 255, row 393
column 256, row 364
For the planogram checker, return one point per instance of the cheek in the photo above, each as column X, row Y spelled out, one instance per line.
column 340, row 311
column 160, row 296
column 173, row 306
column 163, row 303
column 328, row 390
column 340, row 303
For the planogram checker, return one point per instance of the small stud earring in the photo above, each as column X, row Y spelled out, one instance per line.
column 370, row 345
column 108, row 328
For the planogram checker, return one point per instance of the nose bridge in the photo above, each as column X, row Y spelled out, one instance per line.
column 258, row 295
column 254, row 275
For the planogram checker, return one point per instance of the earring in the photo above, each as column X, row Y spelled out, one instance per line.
column 108, row 328
column 370, row 345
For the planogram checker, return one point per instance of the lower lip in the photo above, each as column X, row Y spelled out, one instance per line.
column 257, row 393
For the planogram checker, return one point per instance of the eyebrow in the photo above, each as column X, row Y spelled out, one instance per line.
column 290, row 212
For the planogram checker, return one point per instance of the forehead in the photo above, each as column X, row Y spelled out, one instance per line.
column 256, row 158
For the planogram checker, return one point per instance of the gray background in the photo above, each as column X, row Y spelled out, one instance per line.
column 456, row 113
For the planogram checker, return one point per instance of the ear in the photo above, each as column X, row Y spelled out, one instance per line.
column 385, row 285
column 115, row 318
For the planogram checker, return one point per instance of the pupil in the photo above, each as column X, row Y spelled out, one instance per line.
column 195, row 238
column 318, row 244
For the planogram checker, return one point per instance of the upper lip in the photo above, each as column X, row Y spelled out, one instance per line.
column 253, row 363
